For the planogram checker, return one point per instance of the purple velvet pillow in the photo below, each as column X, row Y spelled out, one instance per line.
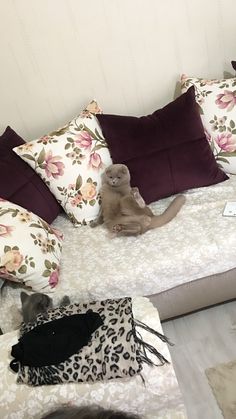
column 166, row 152
column 20, row 184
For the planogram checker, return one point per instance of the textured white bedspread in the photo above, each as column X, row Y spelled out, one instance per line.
column 197, row 243
column 160, row 398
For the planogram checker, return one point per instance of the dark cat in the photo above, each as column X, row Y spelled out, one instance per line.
column 37, row 303
column 89, row 412
column 123, row 210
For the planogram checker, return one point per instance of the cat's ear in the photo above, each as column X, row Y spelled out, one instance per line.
column 23, row 297
column 124, row 169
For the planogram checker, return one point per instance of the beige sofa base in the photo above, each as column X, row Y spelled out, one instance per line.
column 195, row 295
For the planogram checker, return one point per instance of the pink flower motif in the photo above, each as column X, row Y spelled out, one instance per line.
column 88, row 191
column 4, row 274
column 45, row 139
column 11, row 260
column 26, row 147
column 92, row 109
column 84, row 140
column 95, row 161
column 221, row 121
column 207, row 82
column 59, row 235
column 53, row 167
column 76, row 200
column 226, row 100
column 5, row 230
column 54, row 277
column 226, row 142
column 183, row 77
column 200, row 100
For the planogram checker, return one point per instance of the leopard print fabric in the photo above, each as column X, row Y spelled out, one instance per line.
column 111, row 353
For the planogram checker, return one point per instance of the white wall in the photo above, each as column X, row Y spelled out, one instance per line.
column 56, row 55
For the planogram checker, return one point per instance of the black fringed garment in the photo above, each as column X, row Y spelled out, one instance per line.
column 55, row 341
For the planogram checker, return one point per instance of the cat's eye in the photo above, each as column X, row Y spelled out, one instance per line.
column 118, row 177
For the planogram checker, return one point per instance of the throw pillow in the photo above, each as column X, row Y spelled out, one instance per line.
column 30, row 249
column 20, row 184
column 217, row 102
column 70, row 161
column 233, row 65
column 166, row 152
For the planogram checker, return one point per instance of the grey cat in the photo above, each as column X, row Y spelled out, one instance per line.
column 37, row 303
column 123, row 210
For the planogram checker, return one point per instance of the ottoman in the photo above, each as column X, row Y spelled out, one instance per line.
column 159, row 397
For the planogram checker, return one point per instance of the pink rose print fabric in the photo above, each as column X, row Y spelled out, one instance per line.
column 226, row 100
column 53, row 166
column 5, row 230
column 84, row 140
column 217, row 104
column 71, row 161
column 30, row 249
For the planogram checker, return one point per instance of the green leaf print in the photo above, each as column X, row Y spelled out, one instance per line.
column 48, row 264
column 78, row 183
column 60, row 131
column 41, row 156
column 22, row 269
column 222, row 159
column 28, row 157
column 98, row 135
column 35, row 226
column 227, row 154
column 54, row 266
column 46, row 273
column 6, row 249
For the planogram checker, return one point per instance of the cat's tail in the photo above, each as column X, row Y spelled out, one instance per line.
column 170, row 212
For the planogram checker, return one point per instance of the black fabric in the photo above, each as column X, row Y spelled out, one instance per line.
column 233, row 65
column 53, row 342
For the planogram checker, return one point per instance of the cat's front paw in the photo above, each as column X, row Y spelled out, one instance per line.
column 117, row 228
column 65, row 301
column 138, row 198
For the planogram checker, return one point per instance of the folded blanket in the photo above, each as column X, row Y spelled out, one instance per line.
column 115, row 349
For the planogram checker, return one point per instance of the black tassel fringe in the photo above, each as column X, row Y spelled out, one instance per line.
column 153, row 331
column 145, row 347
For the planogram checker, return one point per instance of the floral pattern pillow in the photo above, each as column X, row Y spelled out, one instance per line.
column 30, row 249
column 70, row 161
column 217, row 101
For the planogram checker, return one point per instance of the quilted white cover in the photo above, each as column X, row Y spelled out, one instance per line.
column 197, row 243
column 159, row 398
